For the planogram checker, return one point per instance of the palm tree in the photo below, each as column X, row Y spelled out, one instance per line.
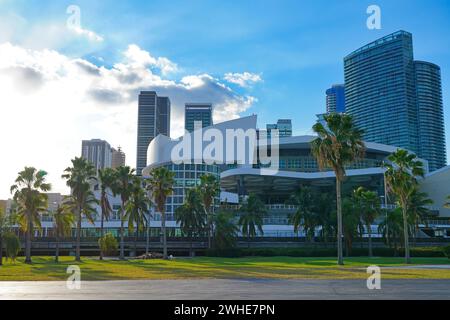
column 81, row 200
column 209, row 188
column 352, row 226
column 4, row 227
column 124, row 187
column 136, row 209
column 391, row 227
column 107, row 180
column 325, row 208
column 160, row 186
column 31, row 202
column 225, row 231
column 401, row 179
column 369, row 207
column 191, row 216
column 251, row 216
column 305, row 215
column 418, row 209
column 63, row 221
column 338, row 144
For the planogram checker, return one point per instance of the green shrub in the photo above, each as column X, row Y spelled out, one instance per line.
column 108, row 245
column 12, row 246
column 429, row 252
column 446, row 251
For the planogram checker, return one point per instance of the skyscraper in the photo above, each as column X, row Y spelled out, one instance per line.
column 201, row 112
column 284, row 127
column 117, row 158
column 153, row 119
column 430, row 114
column 336, row 98
column 393, row 98
column 97, row 152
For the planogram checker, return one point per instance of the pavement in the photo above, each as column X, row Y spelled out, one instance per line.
column 227, row 289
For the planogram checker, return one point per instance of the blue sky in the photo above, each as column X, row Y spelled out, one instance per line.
column 297, row 47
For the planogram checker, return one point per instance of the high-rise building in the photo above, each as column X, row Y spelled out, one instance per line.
column 336, row 99
column 197, row 112
column 396, row 101
column 97, row 152
column 430, row 114
column 284, row 127
column 117, row 158
column 153, row 119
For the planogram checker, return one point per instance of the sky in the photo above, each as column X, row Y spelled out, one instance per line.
column 65, row 77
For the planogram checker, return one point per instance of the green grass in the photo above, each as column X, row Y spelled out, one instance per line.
column 44, row 268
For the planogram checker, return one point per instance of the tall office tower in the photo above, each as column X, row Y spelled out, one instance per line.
column 153, row 119
column 97, row 152
column 117, row 158
column 197, row 112
column 284, row 127
column 430, row 114
column 336, row 99
column 395, row 100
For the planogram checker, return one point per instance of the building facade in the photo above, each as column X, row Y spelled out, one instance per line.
column 335, row 99
column 197, row 112
column 153, row 119
column 393, row 98
column 284, row 127
column 98, row 152
column 117, row 158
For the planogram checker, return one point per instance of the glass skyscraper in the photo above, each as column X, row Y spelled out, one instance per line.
column 201, row 112
column 336, row 98
column 388, row 95
column 153, row 119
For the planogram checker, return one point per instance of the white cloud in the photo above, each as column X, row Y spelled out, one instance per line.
column 90, row 35
column 244, row 80
column 50, row 102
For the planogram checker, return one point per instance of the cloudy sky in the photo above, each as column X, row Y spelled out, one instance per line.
column 67, row 75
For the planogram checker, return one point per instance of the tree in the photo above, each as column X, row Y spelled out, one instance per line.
column 81, row 201
column 369, row 207
column 136, row 209
column 107, row 180
column 447, row 204
column 325, row 208
column 418, row 208
column 401, row 179
column 391, row 227
column 123, row 187
column 4, row 227
column 12, row 245
column 160, row 186
column 338, row 144
column 191, row 215
column 225, row 231
column 209, row 188
column 352, row 226
column 31, row 202
column 252, row 212
column 63, row 220
column 305, row 216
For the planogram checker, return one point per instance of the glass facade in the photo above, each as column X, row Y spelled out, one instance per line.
column 396, row 101
column 336, row 99
column 153, row 119
column 197, row 112
column 431, row 114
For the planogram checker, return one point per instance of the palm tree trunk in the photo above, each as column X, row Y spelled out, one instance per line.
column 406, row 235
column 164, row 236
column 28, row 241
column 209, row 228
column 77, row 251
column 147, row 245
column 1, row 249
column 370, row 241
column 136, row 236
column 101, row 234
column 57, row 248
column 122, row 251
column 191, row 252
column 339, row 222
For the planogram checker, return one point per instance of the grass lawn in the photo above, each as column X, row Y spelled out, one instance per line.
column 44, row 268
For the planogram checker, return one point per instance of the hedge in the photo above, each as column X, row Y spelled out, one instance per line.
column 323, row 252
